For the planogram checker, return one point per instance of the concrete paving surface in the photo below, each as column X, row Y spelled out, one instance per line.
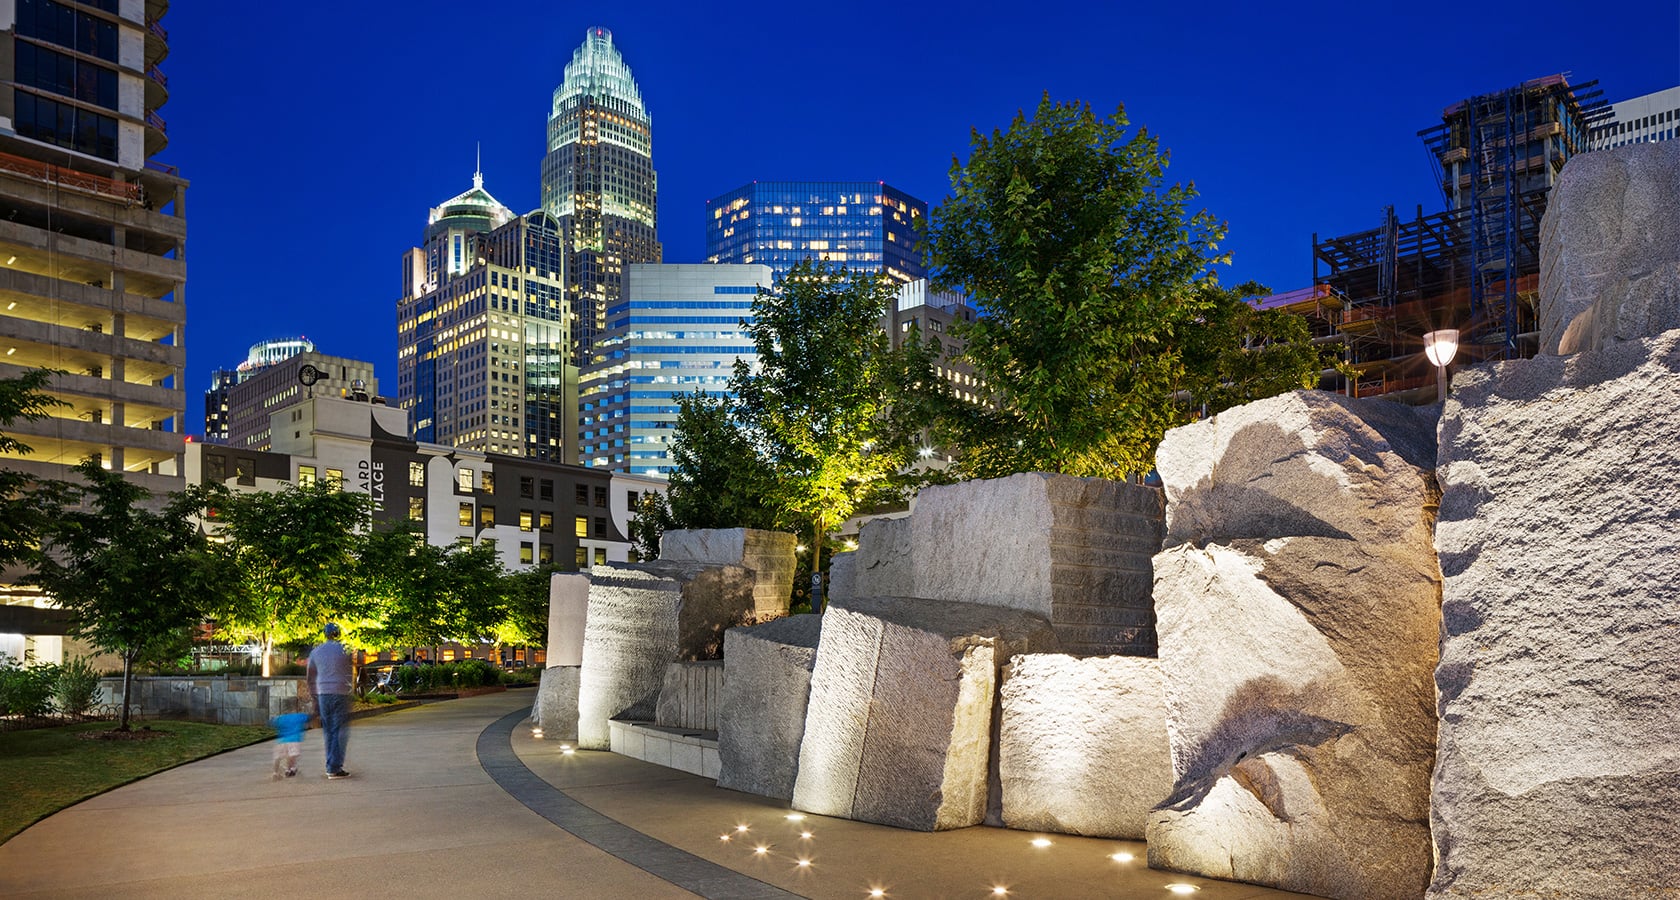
column 458, row 799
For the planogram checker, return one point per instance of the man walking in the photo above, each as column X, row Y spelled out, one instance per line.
column 329, row 677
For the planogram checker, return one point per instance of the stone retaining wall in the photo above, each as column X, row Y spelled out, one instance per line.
column 225, row 701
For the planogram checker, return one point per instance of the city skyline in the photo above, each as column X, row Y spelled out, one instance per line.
column 1287, row 128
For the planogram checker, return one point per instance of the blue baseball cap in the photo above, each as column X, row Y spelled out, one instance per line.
column 331, row 630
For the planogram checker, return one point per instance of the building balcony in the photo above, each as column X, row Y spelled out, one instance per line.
column 76, row 302
column 30, row 343
column 157, row 38
column 157, row 87
column 157, row 133
column 149, row 402
column 85, row 260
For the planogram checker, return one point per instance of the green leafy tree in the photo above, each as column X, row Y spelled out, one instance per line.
column 133, row 579
column 1102, row 315
column 424, row 595
column 648, row 525
column 297, row 550
column 526, row 596
column 721, row 479
column 836, row 413
column 27, row 504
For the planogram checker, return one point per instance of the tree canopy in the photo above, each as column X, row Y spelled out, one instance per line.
column 26, row 503
column 1102, row 322
column 133, row 579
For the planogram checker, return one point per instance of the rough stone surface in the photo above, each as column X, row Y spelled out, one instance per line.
column 885, row 565
column 1610, row 249
column 568, row 613
column 1307, row 463
column 842, row 575
column 767, row 684
column 1082, row 744
column 690, row 695
column 643, row 616
column 1298, row 607
column 899, row 726
column 769, row 554
column 1073, row 550
column 556, row 708
column 1559, row 770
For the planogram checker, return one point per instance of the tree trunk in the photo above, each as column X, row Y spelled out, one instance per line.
column 268, row 653
column 819, row 597
column 128, row 685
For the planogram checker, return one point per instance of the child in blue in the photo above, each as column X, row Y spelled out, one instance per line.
column 289, row 746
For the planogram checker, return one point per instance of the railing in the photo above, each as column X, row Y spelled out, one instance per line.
column 156, row 74
column 165, row 168
column 156, row 121
column 70, row 178
column 156, row 29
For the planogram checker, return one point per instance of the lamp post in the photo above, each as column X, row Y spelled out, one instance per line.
column 1441, row 346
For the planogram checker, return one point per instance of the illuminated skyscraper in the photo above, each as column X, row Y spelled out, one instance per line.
column 598, row 182
column 857, row 224
column 482, row 342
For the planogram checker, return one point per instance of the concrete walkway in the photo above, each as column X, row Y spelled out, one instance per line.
column 456, row 799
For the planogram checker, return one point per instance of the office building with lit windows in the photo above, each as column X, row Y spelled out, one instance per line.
column 676, row 329
column 483, row 341
column 92, row 259
column 598, row 182
column 217, row 403
column 858, row 224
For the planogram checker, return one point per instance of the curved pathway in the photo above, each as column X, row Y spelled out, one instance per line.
column 457, row 799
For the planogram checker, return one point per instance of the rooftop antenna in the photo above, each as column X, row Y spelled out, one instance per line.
column 478, row 164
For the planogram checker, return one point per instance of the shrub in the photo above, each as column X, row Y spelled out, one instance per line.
column 76, row 689
column 26, row 690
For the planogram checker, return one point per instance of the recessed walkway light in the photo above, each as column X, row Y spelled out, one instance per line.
column 804, row 863
column 1041, row 842
column 1122, row 857
column 877, row 892
column 1181, row 888
column 795, row 817
column 761, row 850
column 740, row 828
column 806, row 835
column 999, row 891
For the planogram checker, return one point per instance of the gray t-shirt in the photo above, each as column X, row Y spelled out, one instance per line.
column 332, row 669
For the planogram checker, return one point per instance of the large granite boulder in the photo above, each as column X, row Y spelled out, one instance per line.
column 1082, row 744
column 1073, row 550
column 769, row 554
column 568, row 614
column 643, row 616
column 899, row 726
column 555, row 710
column 1559, row 769
column 884, row 564
column 766, row 686
column 1298, row 608
column 691, row 695
column 1610, row 249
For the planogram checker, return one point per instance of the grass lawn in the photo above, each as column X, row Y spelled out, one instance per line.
column 45, row 770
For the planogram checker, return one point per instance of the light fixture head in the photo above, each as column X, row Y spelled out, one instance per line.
column 1182, row 888
column 1122, row 857
column 1441, row 346
column 795, row 817
column 1041, row 842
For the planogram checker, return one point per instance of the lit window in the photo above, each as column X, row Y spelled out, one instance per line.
column 600, row 556
column 417, row 508
column 525, row 552
column 545, row 522
column 580, row 526
column 466, row 515
column 417, row 474
column 526, row 520
column 582, row 557
column 463, row 480
column 306, row 476
column 486, row 516
column 335, row 477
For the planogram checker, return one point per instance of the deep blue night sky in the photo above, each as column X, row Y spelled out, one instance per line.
column 317, row 135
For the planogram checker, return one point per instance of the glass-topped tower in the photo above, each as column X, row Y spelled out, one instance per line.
column 598, row 182
column 483, row 357
column 858, row 224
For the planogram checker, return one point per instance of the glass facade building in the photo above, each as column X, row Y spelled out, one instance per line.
column 859, row 224
column 678, row 329
column 598, row 182
column 483, row 336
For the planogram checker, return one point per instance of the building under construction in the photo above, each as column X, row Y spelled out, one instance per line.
column 1475, row 266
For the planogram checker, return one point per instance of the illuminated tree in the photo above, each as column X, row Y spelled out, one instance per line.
column 1102, row 320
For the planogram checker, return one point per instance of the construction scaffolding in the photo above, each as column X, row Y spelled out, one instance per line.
column 1475, row 266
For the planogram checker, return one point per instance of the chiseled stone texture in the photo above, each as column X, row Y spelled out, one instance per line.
column 1073, row 550
column 1610, row 249
column 690, row 695
column 1082, row 744
column 568, row 613
column 766, row 686
column 842, row 575
column 1298, row 607
column 1306, row 463
column 769, row 554
column 1559, row 769
column 885, row 564
column 643, row 616
column 899, row 726
column 556, row 708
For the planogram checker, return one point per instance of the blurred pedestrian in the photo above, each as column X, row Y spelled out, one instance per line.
column 288, row 745
column 329, row 677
